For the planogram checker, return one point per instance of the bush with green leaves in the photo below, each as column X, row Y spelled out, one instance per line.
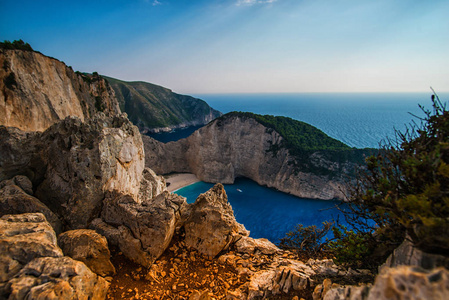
column 306, row 238
column 16, row 45
column 402, row 191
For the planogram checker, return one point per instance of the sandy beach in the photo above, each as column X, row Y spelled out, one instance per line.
column 180, row 180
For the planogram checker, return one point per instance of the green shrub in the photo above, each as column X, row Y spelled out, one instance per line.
column 309, row 238
column 16, row 45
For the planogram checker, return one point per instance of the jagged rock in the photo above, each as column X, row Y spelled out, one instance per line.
column 142, row 231
column 75, row 163
column 14, row 200
column 89, row 247
column 407, row 254
column 282, row 277
column 21, row 181
column 325, row 267
column 151, row 185
column 57, row 278
column 23, row 238
column 20, row 154
column 342, row 293
column 407, row 282
column 86, row 159
column 211, row 226
column 403, row 282
column 43, row 90
column 249, row 245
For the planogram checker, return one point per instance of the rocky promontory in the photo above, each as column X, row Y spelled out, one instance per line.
column 154, row 108
column 238, row 145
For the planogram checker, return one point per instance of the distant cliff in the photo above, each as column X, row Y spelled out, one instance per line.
column 155, row 108
column 36, row 91
column 239, row 145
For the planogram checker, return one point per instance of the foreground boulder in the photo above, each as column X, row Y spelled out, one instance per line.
column 57, row 278
column 16, row 198
column 32, row 266
column 250, row 245
column 89, row 247
column 143, row 230
column 22, row 239
column 86, row 159
column 72, row 164
column 408, row 254
column 211, row 226
column 403, row 282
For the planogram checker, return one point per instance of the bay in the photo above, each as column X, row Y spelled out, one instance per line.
column 268, row 213
column 358, row 119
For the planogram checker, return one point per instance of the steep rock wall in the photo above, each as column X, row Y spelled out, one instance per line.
column 241, row 147
column 36, row 91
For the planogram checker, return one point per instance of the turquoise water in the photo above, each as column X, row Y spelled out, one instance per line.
column 268, row 213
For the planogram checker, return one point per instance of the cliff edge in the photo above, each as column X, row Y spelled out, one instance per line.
column 239, row 145
column 36, row 91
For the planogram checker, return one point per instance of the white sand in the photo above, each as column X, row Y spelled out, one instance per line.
column 180, row 180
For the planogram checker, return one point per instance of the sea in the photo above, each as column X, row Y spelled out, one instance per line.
column 361, row 120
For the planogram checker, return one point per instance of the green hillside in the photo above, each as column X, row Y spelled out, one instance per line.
column 151, row 106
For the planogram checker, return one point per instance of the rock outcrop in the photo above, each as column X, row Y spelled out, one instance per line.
column 72, row 164
column 23, row 238
column 407, row 254
column 403, row 282
column 210, row 226
column 143, row 230
column 57, row 278
column 155, row 108
column 237, row 146
column 32, row 266
column 89, row 247
column 16, row 198
column 36, row 91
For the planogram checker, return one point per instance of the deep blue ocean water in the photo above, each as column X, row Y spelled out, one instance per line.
column 359, row 120
column 268, row 213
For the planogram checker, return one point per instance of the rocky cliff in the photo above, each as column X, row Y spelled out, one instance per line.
column 155, row 108
column 36, row 91
column 240, row 146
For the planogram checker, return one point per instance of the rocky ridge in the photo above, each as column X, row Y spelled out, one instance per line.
column 36, row 91
column 242, row 147
column 154, row 108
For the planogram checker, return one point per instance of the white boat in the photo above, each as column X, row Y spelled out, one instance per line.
column 239, row 190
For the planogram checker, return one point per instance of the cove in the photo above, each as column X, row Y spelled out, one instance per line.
column 268, row 213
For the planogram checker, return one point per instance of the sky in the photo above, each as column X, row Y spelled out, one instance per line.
column 244, row 46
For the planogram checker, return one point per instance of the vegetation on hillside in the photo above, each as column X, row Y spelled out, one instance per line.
column 15, row 45
column 151, row 106
column 402, row 192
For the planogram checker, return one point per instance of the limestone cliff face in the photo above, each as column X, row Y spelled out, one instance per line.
column 241, row 147
column 36, row 91
column 73, row 164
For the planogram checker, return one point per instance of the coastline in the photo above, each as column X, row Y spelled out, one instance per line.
column 180, row 180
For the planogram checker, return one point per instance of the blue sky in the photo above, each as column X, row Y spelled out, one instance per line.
column 234, row 46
